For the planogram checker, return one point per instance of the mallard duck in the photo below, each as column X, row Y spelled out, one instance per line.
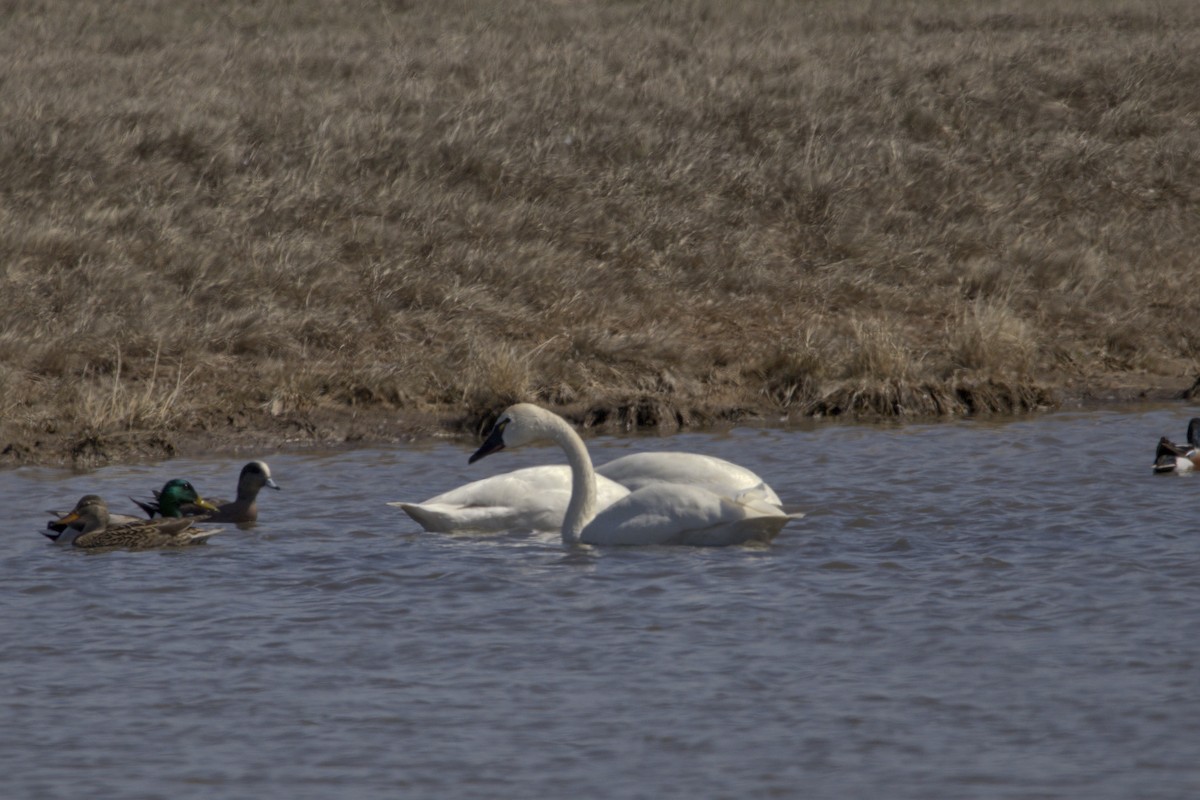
column 1171, row 457
column 254, row 476
column 58, row 526
column 89, row 525
column 177, row 498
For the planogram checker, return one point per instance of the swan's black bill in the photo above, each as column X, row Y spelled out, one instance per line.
column 493, row 443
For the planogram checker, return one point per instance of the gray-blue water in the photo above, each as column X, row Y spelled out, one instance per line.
column 972, row 609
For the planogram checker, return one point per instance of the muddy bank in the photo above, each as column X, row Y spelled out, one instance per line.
column 244, row 433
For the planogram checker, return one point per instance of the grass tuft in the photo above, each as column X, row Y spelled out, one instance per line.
column 989, row 338
column 111, row 402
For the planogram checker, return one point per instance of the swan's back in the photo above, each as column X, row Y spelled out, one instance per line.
column 639, row 470
column 685, row 515
column 531, row 498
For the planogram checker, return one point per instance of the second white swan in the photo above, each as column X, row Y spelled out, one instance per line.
column 660, row 513
column 719, row 476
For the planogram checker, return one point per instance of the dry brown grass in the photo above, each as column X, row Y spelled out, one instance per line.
column 660, row 212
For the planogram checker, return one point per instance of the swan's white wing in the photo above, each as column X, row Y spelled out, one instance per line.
column 519, row 488
column 638, row 470
column 441, row 518
column 532, row 498
column 689, row 515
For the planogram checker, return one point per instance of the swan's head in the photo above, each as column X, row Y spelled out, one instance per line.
column 518, row 425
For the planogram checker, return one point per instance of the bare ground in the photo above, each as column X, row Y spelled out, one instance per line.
column 252, row 227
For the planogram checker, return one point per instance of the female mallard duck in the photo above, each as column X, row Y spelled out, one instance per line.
column 660, row 513
column 58, row 526
column 254, row 476
column 1172, row 457
column 89, row 526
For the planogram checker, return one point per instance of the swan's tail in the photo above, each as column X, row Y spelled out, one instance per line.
column 431, row 518
column 757, row 499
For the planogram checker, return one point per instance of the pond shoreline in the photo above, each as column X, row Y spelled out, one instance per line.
column 644, row 216
column 255, row 432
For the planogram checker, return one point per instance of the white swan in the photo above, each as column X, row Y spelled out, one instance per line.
column 536, row 497
column 531, row 498
column 661, row 513
column 637, row 470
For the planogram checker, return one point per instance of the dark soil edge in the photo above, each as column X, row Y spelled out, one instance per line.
column 257, row 433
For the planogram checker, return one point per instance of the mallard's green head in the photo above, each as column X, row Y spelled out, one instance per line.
column 175, row 494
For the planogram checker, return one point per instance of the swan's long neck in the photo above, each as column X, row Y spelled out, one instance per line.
column 582, row 507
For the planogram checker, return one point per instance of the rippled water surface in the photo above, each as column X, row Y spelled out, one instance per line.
column 968, row 610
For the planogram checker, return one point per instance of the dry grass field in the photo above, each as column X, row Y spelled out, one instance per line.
column 242, row 221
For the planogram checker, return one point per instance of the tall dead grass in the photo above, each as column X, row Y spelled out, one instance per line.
column 695, row 207
column 111, row 403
